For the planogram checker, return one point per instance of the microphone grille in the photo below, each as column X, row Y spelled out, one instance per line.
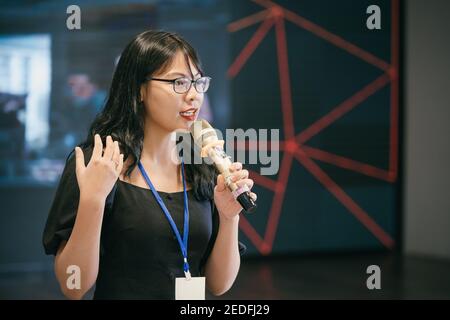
column 203, row 133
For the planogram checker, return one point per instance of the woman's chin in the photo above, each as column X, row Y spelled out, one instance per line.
column 182, row 130
column 186, row 124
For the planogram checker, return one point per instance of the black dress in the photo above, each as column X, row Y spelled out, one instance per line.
column 139, row 254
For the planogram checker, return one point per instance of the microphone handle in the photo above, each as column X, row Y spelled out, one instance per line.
column 246, row 202
column 222, row 162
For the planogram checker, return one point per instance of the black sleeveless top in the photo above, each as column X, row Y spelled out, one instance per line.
column 139, row 253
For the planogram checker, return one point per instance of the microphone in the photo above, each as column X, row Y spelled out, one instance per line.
column 205, row 137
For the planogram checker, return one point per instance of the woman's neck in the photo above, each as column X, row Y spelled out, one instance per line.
column 158, row 147
column 158, row 158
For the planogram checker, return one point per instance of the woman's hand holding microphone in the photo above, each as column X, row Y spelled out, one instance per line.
column 226, row 204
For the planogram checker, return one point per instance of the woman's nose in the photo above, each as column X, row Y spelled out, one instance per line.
column 192, row 94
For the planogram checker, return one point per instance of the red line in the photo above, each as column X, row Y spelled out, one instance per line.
column 251, row 233
column 393, row 155
column 343, row 108
column 263, row 181
column 346, row 163
column 247, row 21
column 285, row 85
column 348, row 202
column 250, row 48
column 328, row 36
column 275, row 210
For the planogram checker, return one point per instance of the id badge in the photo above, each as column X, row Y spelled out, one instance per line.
column 191, row 288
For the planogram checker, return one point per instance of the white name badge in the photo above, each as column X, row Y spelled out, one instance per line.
column 190, row 289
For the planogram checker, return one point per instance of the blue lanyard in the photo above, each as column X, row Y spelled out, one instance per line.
column 183, row 243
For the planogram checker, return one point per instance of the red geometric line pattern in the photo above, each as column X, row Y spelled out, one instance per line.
column 293, row 147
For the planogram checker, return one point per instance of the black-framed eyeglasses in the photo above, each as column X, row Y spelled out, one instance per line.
column 183, row 84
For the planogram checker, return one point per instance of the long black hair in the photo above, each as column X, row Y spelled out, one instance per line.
column 123, row 114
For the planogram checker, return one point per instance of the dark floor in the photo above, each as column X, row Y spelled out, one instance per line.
column 307, row 277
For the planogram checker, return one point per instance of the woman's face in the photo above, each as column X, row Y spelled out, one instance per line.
column 164, row 107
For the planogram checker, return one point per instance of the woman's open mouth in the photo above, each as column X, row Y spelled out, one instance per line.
column 189, row 115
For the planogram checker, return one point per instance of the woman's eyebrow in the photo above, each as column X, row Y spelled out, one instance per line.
column 182, row 74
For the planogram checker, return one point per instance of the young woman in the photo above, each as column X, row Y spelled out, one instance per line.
column 106, row 218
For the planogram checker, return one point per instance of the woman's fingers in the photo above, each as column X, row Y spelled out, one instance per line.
column 235, row 166
column 253, row 196
column 98, row 147
column 120, row 166
column 79, row 159
column 110, row 153
column 220, row 185
column 116, row 155
column 238, row 175
column 109, row 150
column 248, row 182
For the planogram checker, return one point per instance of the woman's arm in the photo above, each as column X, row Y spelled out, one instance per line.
column 95, row 181
column 223, row 263
column 82, row 249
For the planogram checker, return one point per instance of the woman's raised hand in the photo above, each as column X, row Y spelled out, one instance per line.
column 99, row 176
